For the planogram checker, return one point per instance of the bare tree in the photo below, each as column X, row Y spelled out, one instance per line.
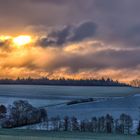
column 83, row 126
column 109, row 123
column 66, row 123
column 125, row 123
column 74, row 124
column 135, row 83
column 3, row 111
column 138, row 129
column 101, row 124
column 94, row 124
column 55, row 123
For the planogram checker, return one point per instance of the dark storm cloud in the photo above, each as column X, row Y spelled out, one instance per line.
column 70, row 34
column 83, row 31
column 58, row 37
column 5, row 46
column 118, row 20
column 116, row 23
column 131, row 36
column 50, row 1
column 2, row 43
column 107, row 59
column 5, row 43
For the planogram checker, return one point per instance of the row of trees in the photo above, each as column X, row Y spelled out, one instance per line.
column 21, row 113
column 135, row 83
column 3, row 111
column 103, row 124
column 63, row 81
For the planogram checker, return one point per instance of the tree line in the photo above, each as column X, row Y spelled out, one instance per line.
column 103, row 124
column 63, row 82
column 21, row 113
column 135, row 83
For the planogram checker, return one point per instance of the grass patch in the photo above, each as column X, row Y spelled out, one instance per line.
column 12, row 134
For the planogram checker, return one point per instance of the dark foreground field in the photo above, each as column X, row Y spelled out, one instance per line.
column 43, row 135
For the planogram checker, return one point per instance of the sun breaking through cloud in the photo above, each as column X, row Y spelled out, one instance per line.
column 22, row 40
column 74, row 39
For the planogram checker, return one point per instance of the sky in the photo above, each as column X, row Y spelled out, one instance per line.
column 70, row 38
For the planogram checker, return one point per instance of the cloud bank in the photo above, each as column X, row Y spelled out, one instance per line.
column 69, row 34
column 72, row 38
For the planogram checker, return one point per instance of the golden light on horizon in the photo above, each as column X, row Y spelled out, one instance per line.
column 3, row 38
column 22, row 40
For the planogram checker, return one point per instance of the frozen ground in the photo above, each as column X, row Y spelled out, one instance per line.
column 129, row 105
column 121, row 99
column 43, row 135
column 5, row 100
column 31, row 91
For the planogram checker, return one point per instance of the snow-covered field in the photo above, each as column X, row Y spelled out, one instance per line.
column 115, row 100
column 109, row 100
column 128, row 105
column 31, row 91
column 5, row 100
column 43, row 135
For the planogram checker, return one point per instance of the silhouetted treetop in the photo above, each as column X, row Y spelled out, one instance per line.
column 63, row 82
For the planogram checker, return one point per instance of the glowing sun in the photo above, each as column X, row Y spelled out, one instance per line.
column 22, row 40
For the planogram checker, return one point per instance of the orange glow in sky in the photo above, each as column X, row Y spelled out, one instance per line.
column 22, row 40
